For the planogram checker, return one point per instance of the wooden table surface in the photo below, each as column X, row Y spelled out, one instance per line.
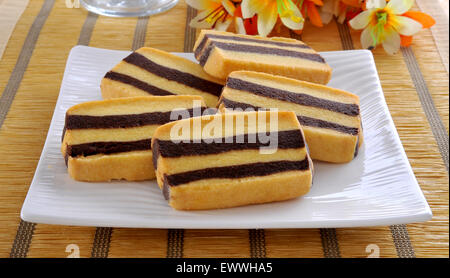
column 415, row 83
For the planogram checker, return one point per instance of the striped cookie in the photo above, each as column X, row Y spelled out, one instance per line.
column 229, row 161
column 330, row 117
column 149, row 71
column 221, row 53
column 111, row 139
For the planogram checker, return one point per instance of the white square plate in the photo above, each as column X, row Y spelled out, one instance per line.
column 377, row 188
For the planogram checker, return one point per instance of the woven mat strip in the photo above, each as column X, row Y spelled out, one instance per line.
column 24, row 58
column 189, row 33
column 346, row 38
column 101, row 244
column 435, row 121
column 86, row 30
column 102, row 240
column 175, row 243
column 140, row 33
column 330, row 243
column 257, row 240
column 25, row 230
column 402, row 242
column 22, row 240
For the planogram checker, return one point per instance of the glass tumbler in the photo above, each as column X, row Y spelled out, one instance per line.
column 128, row 8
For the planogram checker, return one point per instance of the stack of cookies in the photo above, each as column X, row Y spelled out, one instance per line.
column 240, row 127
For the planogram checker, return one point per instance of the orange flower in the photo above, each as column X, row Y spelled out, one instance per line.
column 309, row 10
column 268, row 12
column 216, row 14
column 426, row 21
column 385, row 24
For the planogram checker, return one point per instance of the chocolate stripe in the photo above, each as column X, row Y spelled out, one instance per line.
column 290, row 139
column 244, row 39
column 237, row 171
column 137, row 83
column 259, row 50
column 298, row 98
column 174, row 75
column 306, row 121
column 312, row 122
column 123, row 121
column 93, row 148
column 268, row 42
column 200, row 48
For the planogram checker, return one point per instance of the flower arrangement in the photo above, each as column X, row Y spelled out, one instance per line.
column 388, row 23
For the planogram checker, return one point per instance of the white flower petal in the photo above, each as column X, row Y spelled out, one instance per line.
column 198, row 22
column 267, row 20
column 251, row 7
column 366, row 39
column 239, row 25
column 400, row 6
column 391, row 43
column 223, row 25
column 407, row 26
column 375, row 4
column 229, row 6
column 292, row 24
column 361, row 20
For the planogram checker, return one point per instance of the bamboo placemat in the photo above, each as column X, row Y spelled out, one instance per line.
column 415, row 83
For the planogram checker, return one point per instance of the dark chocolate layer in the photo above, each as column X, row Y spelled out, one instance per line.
column 94, row 148
column 306, row 121
column 298, row 98
column 123, row 78
column 174, row 75
column 245, row 39
column 289, row 139
column 123, row 121
column 259, row 50
column 237, row 171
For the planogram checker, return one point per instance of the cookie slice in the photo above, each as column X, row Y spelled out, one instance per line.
column 231, row 159
column 111, row 139
column 330, row 117
column 221, row 53
column 149, row 71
